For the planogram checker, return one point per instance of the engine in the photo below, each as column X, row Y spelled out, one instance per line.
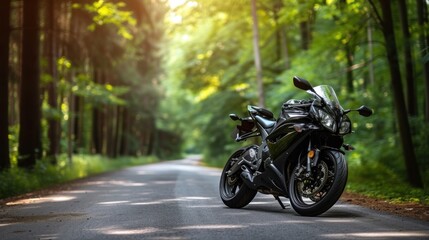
column 251, row 157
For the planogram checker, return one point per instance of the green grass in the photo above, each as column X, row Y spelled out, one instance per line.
column 17, row 181
column 392, row 192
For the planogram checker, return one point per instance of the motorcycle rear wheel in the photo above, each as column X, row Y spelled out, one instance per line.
column 233, row 191
column 314, row 197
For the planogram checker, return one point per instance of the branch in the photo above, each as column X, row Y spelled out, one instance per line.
column 377, row 14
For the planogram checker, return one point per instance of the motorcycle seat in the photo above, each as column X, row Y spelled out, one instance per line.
column 266, row 123
column 264, row 112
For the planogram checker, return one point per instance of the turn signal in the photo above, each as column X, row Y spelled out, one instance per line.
column 310, row 154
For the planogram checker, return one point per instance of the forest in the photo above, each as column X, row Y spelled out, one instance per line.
column 137, row 78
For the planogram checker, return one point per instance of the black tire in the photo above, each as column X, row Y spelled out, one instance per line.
column 233, row 192
column 328, row 194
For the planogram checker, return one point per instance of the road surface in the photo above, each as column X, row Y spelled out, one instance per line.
column 180, row 200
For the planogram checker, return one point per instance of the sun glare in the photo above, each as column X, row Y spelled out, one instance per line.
column 177, row 6
column 37, row 200
column 176, row 3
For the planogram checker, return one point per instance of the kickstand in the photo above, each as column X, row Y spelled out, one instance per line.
column 280, row 202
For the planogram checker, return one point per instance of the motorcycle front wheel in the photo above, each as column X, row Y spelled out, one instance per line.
column 233, row 192
column 315, row 194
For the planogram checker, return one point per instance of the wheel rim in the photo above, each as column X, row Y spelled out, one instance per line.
column 309, row 190
column 230, row 185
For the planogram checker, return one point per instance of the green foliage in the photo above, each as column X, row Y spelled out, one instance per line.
column 106, row 12
column 98, row 94
column 17, row 181
column 13, row 144
column 421, row 140
column 199, row 53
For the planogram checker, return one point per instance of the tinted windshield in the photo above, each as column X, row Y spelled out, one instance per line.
column 328, row 94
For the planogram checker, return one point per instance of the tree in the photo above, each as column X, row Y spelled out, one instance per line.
column 281, row 35
column 257, row 55
column 409, row 69
column 85, row 87
column 30, row 148
column 349, row 49
column 423, row 22
column 386, row 22
column 51, row 56
column 4, row 84
column 305, row 24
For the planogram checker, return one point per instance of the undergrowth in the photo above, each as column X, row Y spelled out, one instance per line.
column 395, row 193
column 385, row 179
column 15, row 181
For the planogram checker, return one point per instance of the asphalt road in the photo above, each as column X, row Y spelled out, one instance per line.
column 180, row 200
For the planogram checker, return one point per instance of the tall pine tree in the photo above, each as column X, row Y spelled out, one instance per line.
column 29, row 148
column 4, row 76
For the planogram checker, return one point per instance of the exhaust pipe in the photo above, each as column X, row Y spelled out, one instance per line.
column 247, row 177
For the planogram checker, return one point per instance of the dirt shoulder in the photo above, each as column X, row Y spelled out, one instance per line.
column 411, row 210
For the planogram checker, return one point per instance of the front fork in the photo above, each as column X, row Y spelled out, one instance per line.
column 313, row 154
column 312, row 157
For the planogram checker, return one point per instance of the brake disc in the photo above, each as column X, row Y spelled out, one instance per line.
column 310, row 187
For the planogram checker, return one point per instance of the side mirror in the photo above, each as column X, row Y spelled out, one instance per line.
column 365, row 111
column 301, row 83
column 234, row 116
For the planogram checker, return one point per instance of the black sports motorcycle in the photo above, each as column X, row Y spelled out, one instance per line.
column 300, row 156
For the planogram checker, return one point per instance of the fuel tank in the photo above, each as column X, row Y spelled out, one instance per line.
column 284, row 134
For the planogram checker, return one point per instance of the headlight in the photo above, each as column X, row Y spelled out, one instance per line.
column 327, row 120
column 345, row 126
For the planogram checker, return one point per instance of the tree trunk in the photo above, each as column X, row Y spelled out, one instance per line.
column 304, row 27
column 151, row 137
column 257, row 56
column 4, row 84
column 77, row 128
column 371, row 52
column 132, row 120
column 401, row 111
column 277, row 6
column 96, row 122
column 110, row 131
column 30, row 115
column 119, row 132
column 422, row 19
column 305, row 36
column 349, row 70
column 70, row 125
column 96, row 142
column 409, row 70
column 125, row 125
column 15, row 63
column 283, row 51
column 53, row 122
